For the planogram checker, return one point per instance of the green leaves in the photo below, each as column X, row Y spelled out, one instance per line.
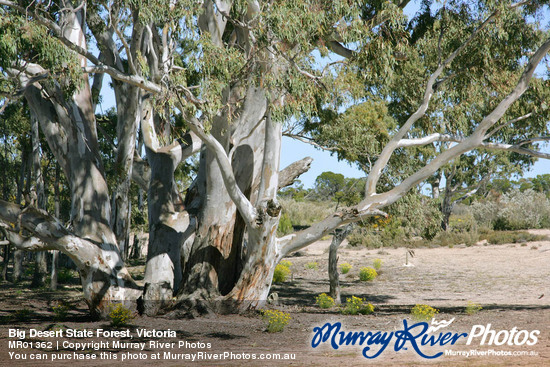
column 23, row 41
column 358, row 134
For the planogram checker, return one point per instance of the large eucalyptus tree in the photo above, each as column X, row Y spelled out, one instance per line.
column 223, row 78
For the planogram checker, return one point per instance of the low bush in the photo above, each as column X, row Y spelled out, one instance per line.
column 324, row 301
column 312, row 265
column 286, row 263
column 514, row 210
column 367, row 274
column 120, row 315
column 450, row 239
column 285, row 225
column 276, row 320
column 500, row 237
column 60, row 311
column 23, row 314
column 345, row 268
column 472, row 308
column 65, row 275
column 305, row 213
column 365, row 237
column 281, row 273
column 423, row 312
column 377, row 264
column 463, row 223
column 355, row 305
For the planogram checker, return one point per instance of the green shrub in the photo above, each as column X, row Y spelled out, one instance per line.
column 515, row 210
column 367, row 274
column 411, row 216
column 449, row 239
column 345, row 268
column 377, row 264
column 356, row 305
column 524, row 210
column 500, row 237
column 60, row 311
column 423, row 312
column 285, row 225
column 463, row 223
column 324, row 301
column 286, row 263
column 281, row 273
column 120, row 315
column 276, row 320
column 472, row 308
column 365, row 237
column 312, row 265
column 485, row 212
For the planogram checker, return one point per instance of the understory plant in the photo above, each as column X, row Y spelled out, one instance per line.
column 422, row 312
column 355, row 305
column 345, row 268
column 313, row 265
column 472, row 308
column 276, row 320
column 324, row 301
column 367, row 274
column 60, row 311
column 282, row 271
column 120, row 315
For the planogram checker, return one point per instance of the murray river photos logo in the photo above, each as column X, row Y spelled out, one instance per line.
column 420, row 337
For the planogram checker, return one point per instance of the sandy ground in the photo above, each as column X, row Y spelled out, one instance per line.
column 517, row 274
column 510, row 281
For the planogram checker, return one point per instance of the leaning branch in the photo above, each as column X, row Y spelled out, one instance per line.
column 508, row 123
column 382, row 161
column 289, row 174
column 516, row 149
column 46, row 233
column 310, row 141
column 407, row 143
column 24, row 243
column 472, row 142
column 297, row 241
column 134, row 80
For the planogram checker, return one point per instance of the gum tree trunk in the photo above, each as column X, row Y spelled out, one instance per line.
column 214, row 257
column 70, row 129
